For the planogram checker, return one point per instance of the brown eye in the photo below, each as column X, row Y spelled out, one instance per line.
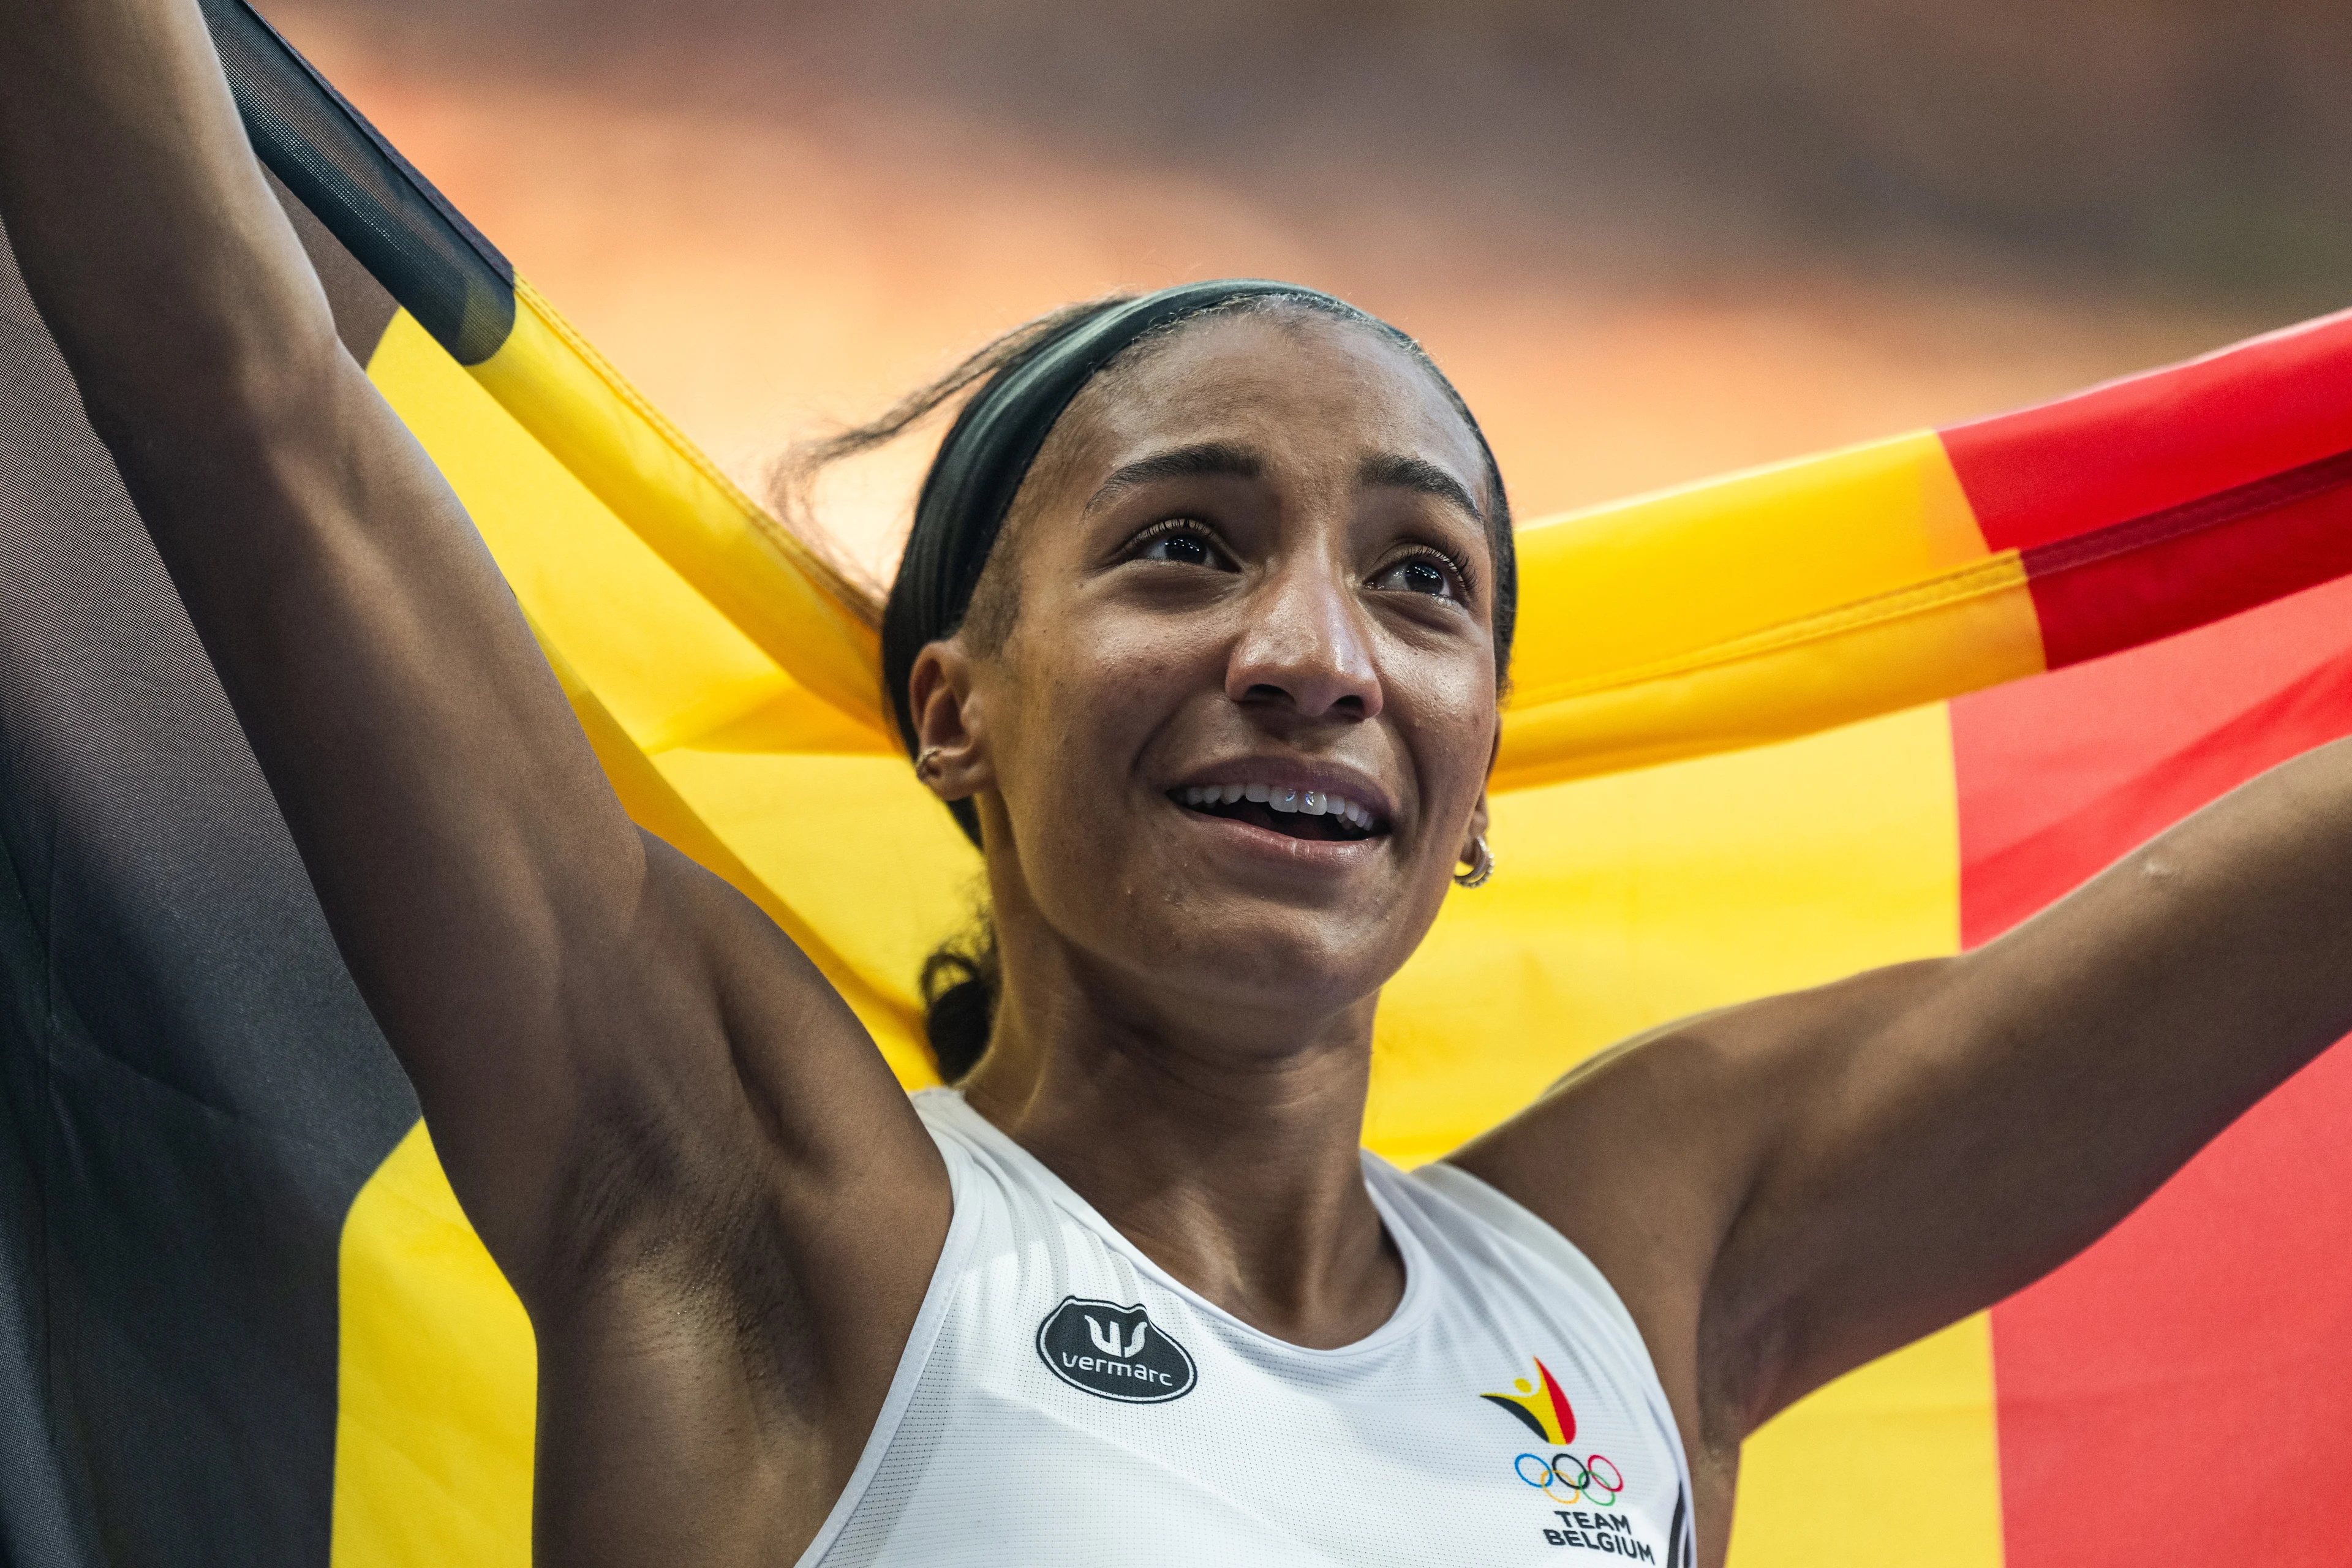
column 1180, row 541
column 1420, row 575
column 1186, row 549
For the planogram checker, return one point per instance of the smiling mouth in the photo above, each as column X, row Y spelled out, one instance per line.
column 1294, row 813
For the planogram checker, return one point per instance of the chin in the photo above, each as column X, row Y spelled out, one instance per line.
column 1278, row 958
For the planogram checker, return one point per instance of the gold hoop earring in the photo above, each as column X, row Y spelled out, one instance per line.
column 925, row 762
column 1482, row 865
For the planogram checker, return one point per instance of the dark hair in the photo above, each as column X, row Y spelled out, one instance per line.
column 960, row 979
column 1031, row 374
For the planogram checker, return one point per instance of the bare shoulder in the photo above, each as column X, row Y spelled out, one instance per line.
column 1644, row 1149
column 1645, row 1154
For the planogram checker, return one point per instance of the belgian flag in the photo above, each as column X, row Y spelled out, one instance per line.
column 192, row 1091
column 1860, row 708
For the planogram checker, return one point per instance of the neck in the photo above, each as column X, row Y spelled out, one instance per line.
column 1227, row 1152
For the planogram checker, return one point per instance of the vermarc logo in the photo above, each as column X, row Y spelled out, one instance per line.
column 1115, row 1352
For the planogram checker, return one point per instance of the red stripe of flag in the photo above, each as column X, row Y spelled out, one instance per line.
column 2184, row 1386
column 2151, row 442
column 2164, row 501
column 2132, row 583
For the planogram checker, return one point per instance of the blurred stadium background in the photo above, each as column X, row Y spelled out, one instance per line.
column 1651, row 240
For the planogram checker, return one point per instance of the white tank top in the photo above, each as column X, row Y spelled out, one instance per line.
column 1063, row 1403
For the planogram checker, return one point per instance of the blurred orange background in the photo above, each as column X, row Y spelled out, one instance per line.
column 1650, row 242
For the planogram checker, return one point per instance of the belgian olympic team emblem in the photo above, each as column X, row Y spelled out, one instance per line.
column 1543, row 1409
column 1115, row 1352
column 1569, row 1481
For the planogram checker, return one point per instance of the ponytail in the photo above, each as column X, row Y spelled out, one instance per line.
column 960, row 980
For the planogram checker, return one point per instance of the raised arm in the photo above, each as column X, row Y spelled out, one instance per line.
column 600, row 1033
column 1799, row 1185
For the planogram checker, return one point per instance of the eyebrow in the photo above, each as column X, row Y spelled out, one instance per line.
column 1384, row 470
column 1209, row 457
column 1392, row 470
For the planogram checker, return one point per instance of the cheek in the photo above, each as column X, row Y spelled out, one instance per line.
column 1091, row 705
column 1450, row 716
column 1088, row 698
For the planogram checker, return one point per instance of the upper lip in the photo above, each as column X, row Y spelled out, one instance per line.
column 1282, row 773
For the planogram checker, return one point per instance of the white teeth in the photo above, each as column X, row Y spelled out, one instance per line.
column 1309, row 802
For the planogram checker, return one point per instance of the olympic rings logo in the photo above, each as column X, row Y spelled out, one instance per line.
column 1565, row 1478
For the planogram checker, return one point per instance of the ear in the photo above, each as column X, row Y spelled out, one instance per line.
column 948, row 717
column 1477, row 829
column 1478, row 817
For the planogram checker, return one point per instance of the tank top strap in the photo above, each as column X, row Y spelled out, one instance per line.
column 1457, row 1200
column 1498, row 1210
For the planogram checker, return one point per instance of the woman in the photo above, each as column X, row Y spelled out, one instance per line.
column 1202, row 631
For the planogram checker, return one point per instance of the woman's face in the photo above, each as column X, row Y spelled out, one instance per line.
column 1249, row 571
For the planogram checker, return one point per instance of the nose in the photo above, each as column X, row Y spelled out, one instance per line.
column 1306, row 644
